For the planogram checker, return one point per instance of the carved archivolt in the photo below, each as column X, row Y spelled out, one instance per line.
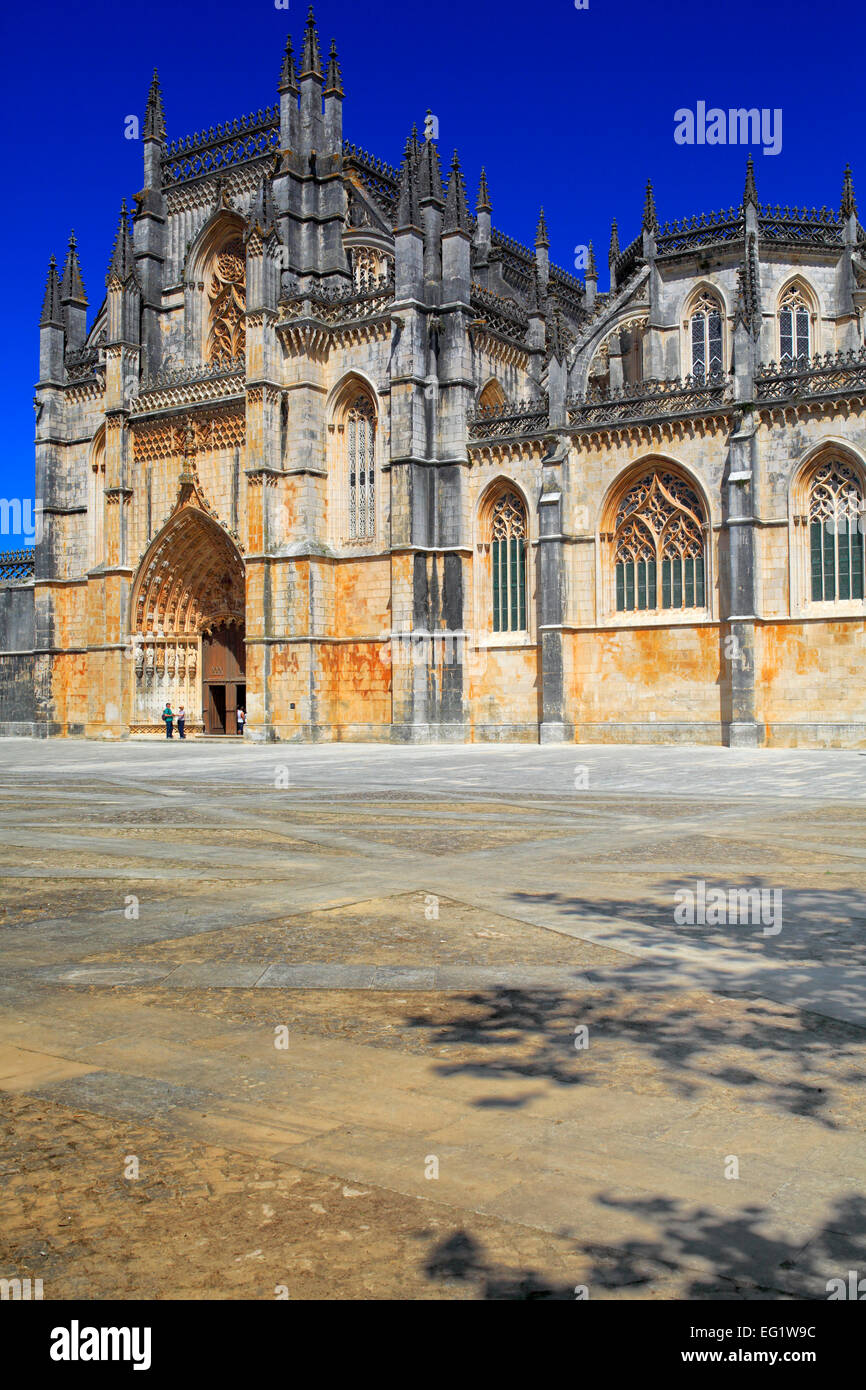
column 191, row 579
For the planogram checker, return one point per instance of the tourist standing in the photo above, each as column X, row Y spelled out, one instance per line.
column 242, row 719
column 168, row 716
column 181, row 721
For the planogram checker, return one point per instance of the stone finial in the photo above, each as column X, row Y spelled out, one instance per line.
column 72, row 285
column 408, row 212
column 457, row 217
column 333, row 78
column 591, row 271
column 430, row 176
column 483, row 202
column 613, row 253
column 288, row 80
column 849, row 206
column 650, row 221
column 541, row 237
column 122, row 262
column 750, row 192
column 52, row 314
column 154, row 119
column 311, row 62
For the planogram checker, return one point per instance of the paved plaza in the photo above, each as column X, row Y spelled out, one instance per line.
column 354, row 1021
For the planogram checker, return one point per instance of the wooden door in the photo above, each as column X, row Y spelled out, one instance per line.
column 223, row 665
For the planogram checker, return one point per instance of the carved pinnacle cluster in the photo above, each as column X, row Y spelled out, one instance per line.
column 122, row 262
column 748, row 306
column 311, row 62
column 541, row 237
column 333, row 79
column 288, row 80
column 52, row 314
column 72, row 284
column 430, row 175
column 650, row 221
column 750, row 192
column 457, row 217
column 483, row 203
column 613, row 253
column 154, row 120
column 408, row 211
column 849, row 206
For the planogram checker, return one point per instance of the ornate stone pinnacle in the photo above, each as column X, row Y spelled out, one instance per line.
column 750, row 192
column 849, row 206
column 650, row 221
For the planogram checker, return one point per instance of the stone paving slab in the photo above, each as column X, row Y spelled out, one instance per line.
column 398, row 978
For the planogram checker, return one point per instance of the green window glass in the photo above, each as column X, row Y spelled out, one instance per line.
column 508, row 564
column 659, row 521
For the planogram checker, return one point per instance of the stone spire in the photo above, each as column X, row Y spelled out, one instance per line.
column 122, row 262
column 650, row 221
column 849, row 206
column 288, row 80
column 430, row 176
column 613, row 253
column 750, row 192
column 311, row 62
column 408, row 212
column 457, row 217
column 590, row 279
column 73, row 298
column 333, row 78
column 52, row 313
column 154, row 119
column 72, row 285
column 483, row 202
column 541, row 237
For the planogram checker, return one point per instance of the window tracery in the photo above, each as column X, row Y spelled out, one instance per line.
column 508, row 559
column 705, row 336
column 227, row 297
column 836, row 525
column 659, row 531
column 795, row 334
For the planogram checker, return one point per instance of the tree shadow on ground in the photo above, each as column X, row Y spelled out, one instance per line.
column 696, row 1254
column 819, row 926
column 677, row 1043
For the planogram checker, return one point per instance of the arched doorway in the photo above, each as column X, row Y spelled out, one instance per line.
column 223, row 670
column 188, row 606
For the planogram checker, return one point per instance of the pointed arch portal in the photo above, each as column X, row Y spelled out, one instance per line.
column 188, row 607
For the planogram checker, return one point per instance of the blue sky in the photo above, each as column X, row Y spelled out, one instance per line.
column 570, row 108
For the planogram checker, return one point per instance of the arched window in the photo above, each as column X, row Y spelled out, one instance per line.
column 705, row 336
column 370, row 268
column 360, row 434
column 795, row 341
column 836, row 526
column 492, row 398
column 508, row 560
column 96, row 502
column 227, row 297
column 659, row 533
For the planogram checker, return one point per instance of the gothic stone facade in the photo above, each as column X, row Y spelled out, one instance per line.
column 339, row 451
